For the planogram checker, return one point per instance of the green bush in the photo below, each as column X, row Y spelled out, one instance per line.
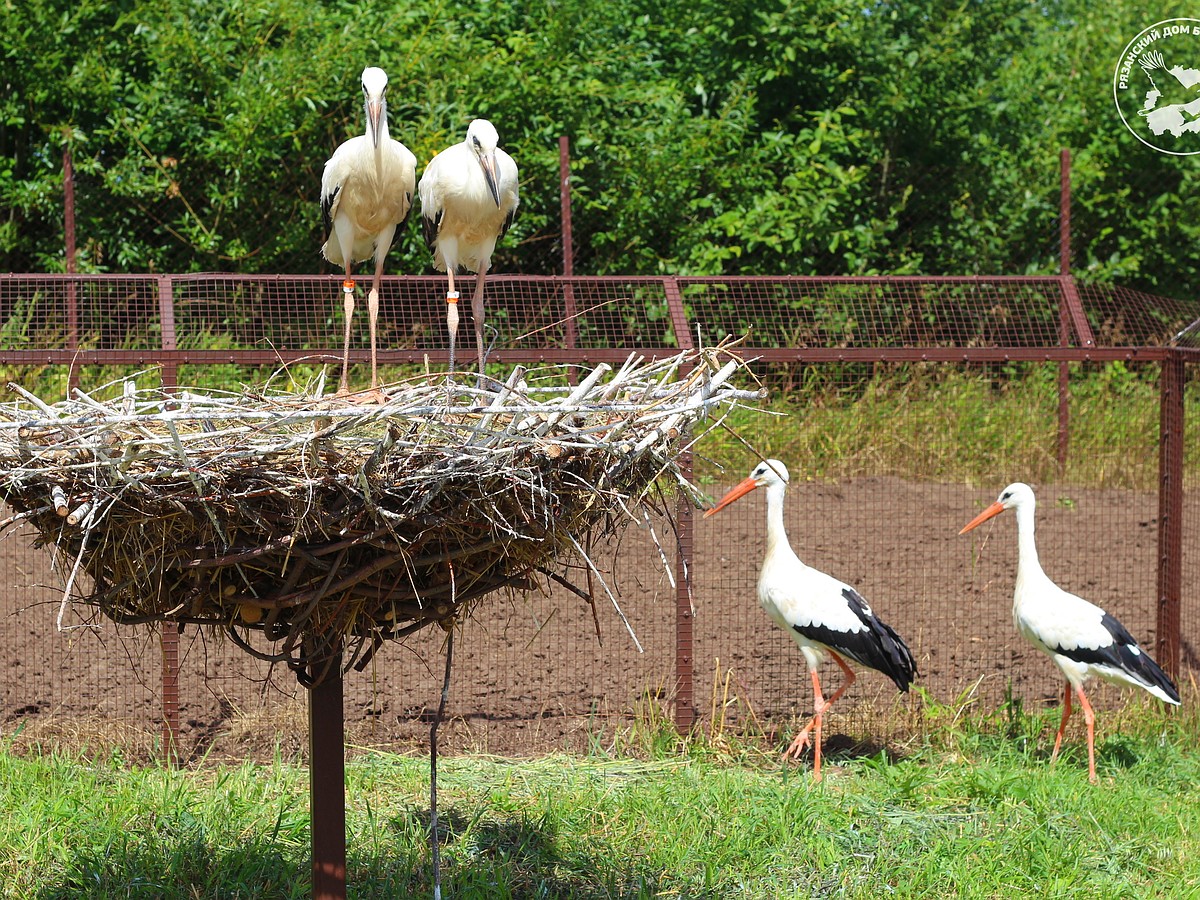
column 707, row 137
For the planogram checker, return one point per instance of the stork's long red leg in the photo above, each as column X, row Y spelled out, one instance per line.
column 372, row 320
column 383, row 243
column 348, row 304
column 801, row 740
column 451, row 314
column 820, row 705
column 477, row 311
column 1063, row 722
column 1090, row 718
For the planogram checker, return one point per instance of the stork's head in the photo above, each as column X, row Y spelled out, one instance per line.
column 374, row 85
column 482, row 139
column 1015, row 495
column 770, row 473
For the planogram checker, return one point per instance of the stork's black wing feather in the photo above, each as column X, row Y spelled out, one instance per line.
column 327, row 203
column 1123, row 654
column 508, row 220
column 876, row 646
column 430, row 227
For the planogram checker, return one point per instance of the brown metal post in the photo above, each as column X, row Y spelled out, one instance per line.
column 327, row 786
column 169, row 641
column 1064, row 322
column 685, row 705
column 169, row 637
column 71, row 266
column 166, row 315
column 1064, row 211
column 1170, row 513
column 564, row 199
column 69, row 211
column 568, row 249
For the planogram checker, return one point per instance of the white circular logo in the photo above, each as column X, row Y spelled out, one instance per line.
column 1156, row 86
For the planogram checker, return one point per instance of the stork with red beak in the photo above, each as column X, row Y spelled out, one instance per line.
column 1081, row 638
column 825, row 617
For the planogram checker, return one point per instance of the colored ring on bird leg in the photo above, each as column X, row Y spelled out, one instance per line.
column 451, row 296
column 348, row 285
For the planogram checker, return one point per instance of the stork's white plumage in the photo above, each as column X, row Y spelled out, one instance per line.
column 824, row 616
column 468, row 200
column 366, row 193
column 1080, row 637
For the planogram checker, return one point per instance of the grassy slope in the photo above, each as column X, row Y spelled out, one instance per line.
column 971, row 813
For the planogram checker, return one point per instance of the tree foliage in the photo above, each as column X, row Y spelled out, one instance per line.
column 779, row 136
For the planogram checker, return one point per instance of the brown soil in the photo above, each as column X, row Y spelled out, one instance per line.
column 531, row 675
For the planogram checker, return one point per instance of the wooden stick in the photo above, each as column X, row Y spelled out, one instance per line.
column 433, row 816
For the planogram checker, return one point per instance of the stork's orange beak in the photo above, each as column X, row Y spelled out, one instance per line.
column 994, row 510
column 741, row 489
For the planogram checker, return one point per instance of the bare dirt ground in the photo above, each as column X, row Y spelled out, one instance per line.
column 530, row 674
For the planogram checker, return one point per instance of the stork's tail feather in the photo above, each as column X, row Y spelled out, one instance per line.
column 902, row 668
column 1136, row 664
column 1155, row 680
column 877, row 646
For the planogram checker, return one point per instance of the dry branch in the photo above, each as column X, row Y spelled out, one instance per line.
column 330, row 525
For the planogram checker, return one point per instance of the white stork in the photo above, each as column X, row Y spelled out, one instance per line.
column 1081, row 638
column 468, row 200
column 824, row 616
column 366, row 192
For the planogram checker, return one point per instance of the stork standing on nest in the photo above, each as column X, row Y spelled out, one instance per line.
column 1081, row 638
column 366, row 193
column 824, row 616
column 468, row 200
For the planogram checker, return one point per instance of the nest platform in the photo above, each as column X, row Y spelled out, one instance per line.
column 312, row 529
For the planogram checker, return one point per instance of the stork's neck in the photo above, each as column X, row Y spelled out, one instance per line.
column 776, row 535
column 1028, row 565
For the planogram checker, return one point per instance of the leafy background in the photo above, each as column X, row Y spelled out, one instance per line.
column 708, row 137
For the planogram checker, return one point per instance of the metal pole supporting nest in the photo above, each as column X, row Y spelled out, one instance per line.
column 327, row 785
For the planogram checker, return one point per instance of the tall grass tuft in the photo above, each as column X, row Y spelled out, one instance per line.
column 950, row 423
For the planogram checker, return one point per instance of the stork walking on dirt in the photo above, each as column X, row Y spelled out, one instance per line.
column 468, row 200
column 366, row 193
column 1080, row 637
column 824, row 616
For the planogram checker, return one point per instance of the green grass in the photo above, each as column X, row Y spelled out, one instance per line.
column 974, row 811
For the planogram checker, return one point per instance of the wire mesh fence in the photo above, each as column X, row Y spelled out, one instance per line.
column 169, row 222
column 545, row 669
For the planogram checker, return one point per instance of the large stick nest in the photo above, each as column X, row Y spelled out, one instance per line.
column 331, row 525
